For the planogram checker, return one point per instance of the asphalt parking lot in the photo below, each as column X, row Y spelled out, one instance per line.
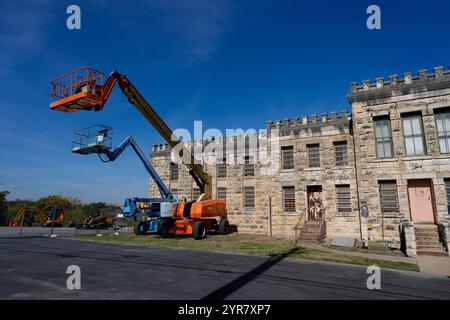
column 35, row 268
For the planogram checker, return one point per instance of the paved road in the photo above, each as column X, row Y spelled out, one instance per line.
column 35, row 268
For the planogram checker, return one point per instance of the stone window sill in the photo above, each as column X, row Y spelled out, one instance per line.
column 342, row 167
column 443, row 156
column 386, row 160
column 289, row 213
column 313, row 169
column 416, row 158
column 345, row 215
column 287, row 170
column 390, row 215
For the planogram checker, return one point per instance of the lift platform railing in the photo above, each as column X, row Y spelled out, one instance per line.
column 93, row 139
column 84, row 83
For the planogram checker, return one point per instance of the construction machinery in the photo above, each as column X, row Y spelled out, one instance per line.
column 98, row 139
column 98, row 220
column 55, row 218
column 86, row 89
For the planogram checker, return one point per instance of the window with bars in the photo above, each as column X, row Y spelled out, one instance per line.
column 413, row 133
column 383, row 137
column 195, row 193
column 343, row 199
column 341, row 153
column 222, row 169
column 174, row 171
column 388, row 197
column 443, row 130
column 287, row 157
column 222, row 193
column 249, row 167
column 447, row 191
column 288, row 199
column 249, row 197
column 313, row 155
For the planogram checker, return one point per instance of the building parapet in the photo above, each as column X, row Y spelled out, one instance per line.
column 381, row 88
column 288, row 126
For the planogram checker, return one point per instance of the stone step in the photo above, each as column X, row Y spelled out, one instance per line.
column 426, row 226
column 437, row 246
column 426, row 233
column 311, row 229
column 438, row 253
column 429, row 243
column 309, row 236
column 427, row 237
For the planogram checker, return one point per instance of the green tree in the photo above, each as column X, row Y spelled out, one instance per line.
column 3, row 202
column 3, row 207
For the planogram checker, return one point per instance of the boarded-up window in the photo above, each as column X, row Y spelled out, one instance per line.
column 344, row 200
column 249, row 197
column 443, row 129
column 447, row 190
column 413, row 133
column 388, row 197
column 222, row 193
column 383, row 137
column 249, row 167
column 313, row 155
column 173, row 171
column 222, row 169
column 340, row 152
column 287, row 157
column 196, row 193
column 289, row 199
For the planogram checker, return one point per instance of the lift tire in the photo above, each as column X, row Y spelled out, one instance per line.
column 140, row 228
column 198, row 230
column 164, row 229
column 224, row 226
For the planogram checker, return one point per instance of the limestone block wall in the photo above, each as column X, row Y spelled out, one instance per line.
column 423, row 94
column 269, row 183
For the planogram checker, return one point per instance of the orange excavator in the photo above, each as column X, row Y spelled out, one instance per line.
column 85, row 89
column 56, row 217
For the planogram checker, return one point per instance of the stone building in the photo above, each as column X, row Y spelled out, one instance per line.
column 379, row 173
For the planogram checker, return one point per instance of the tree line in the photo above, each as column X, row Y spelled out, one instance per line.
column 72, row 208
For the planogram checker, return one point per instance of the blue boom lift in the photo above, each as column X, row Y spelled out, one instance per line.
column 98, row 139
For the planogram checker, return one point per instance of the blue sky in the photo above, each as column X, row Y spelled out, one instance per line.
column 231, row 64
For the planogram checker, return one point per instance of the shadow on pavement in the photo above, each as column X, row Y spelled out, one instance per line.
column 238, row 283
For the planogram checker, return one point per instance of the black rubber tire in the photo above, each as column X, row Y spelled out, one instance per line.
column 198, row 230
column 163, row 228
column 224, row 226
column 140, row 228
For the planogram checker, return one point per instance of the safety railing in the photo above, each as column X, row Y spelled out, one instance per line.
column 83, row 79
column 93, row 139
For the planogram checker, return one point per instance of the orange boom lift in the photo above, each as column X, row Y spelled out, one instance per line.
column 85, row 89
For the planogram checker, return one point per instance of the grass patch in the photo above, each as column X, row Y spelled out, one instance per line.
column 248, row 244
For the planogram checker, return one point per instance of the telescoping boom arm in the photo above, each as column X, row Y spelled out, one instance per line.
column 113, row 155
column 88, row 94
